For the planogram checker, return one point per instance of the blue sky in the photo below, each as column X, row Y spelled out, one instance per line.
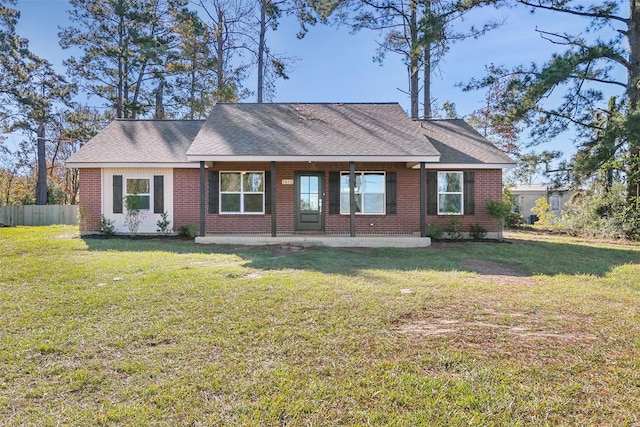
column 336, row 66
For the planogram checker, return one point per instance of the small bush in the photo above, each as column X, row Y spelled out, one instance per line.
column 542, row 210
column 106, row 226
column 164, row 225
column 477, row 232
column 454, row 228
column 189, row 230
column 514, row 220
column 434, row 231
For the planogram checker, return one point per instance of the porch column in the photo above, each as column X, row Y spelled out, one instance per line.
column 202, row 206
column 352, row 199
column 423, row 219
column 274, row 216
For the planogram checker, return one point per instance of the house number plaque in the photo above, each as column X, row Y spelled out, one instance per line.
column 287, row 182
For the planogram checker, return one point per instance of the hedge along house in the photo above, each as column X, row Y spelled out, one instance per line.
column 287, row 171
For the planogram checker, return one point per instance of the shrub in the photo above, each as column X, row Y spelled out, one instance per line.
column 434, row 231
column 106, row 226
column 133, row 215
column 164, row 225
column 477, row 232
column 542, row 210
column 602, row 213
column 498, row 210
column 454, row 228
column 189, row 230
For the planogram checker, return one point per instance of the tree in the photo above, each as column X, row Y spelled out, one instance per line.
column 225, row 20
column 418, row 30
column 490, row 120
column 194, row 67
column 532, row 166
column 124, row 47
column 587, row 69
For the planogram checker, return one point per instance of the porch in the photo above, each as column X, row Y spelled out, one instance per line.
column 335, row 241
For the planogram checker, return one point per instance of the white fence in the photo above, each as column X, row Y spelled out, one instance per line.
column 39, row 215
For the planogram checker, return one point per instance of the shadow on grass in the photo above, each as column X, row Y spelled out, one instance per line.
column 521, row 257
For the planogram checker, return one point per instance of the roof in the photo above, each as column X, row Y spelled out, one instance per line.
column 538, row 188
column 311, row 132
column 291, row 132
column 139, row 141
column 460, row 144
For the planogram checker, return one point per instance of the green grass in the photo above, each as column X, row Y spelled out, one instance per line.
column 164, row 332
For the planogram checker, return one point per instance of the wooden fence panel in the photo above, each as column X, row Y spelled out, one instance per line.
column 39, row 215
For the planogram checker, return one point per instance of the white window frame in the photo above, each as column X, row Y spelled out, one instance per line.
column 384, row 193
column 149, row 194
column 242, row 193
column 461, row 192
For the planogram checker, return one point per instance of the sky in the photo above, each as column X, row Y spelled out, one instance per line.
column 337, row 66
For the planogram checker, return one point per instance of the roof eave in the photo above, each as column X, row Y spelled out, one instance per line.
column 95, row 165
column 311, row 158
column 467, row 166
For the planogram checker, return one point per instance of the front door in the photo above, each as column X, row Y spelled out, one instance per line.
column 309, row 192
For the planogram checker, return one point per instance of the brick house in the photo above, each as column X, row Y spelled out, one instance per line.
column 292, row 169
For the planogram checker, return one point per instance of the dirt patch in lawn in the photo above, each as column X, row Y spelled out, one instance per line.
column 496, row 334
column 495, row 272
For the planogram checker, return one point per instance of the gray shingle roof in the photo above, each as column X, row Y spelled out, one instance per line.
column 459, row 143
column 380, row 131
column 310, row 130
column 140, row 141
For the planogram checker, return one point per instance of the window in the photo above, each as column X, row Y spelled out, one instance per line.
column 369, row 192
column 450, row 193
column 138, row 193
column 241, row 192
column 555, row 202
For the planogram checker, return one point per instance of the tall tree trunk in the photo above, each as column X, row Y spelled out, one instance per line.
column 41, row 186
column 633, row 78
column 120, row 88
column 159, row 100
column 427, row 68
column 261, row 44
column 220, row 55
column 192, row 83
column 414, row 59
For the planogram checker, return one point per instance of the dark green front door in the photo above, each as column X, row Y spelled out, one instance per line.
column 309, row 192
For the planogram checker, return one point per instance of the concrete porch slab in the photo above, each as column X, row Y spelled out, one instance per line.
column 391, row 241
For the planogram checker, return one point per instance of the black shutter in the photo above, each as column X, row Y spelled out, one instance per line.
column 469, row 193
column 334, row 192
column 267, row 192
column 214, row 193
column 117, row 193
column 391, row 192
column 432, row 193
column 158, row 194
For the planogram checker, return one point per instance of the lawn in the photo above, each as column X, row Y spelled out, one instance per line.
column 544, row 330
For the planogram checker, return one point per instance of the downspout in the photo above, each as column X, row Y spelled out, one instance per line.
column 352, row 199
column 202, row 204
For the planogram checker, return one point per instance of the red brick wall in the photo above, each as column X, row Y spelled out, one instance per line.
column 90, row 199
column 488, row 184
column 186, row 197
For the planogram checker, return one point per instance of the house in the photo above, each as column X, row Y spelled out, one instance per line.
column 525, row 197
column 292, row 170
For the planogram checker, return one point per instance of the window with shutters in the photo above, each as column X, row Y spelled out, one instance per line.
column 369, row 192
column 450, row 193
column 242, row 192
